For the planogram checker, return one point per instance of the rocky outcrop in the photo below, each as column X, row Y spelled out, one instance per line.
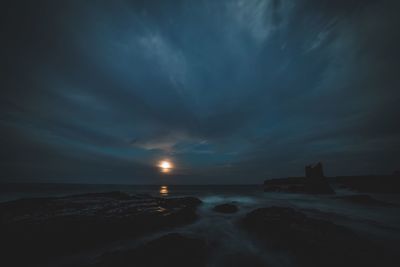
column 45, row 227
column 370, row 183
column 365, row 200
column 170, row 250
column 314, row 183
column 312, row 242
column 226, row 208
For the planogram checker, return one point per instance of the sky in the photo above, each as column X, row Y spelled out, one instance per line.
column 229, row 91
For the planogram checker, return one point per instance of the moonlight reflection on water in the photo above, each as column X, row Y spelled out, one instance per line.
column 164, row 190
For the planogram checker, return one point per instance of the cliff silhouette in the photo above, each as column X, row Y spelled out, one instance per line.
column 315, row 182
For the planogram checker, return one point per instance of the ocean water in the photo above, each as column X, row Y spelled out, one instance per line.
column 380, row 223
column 12, row 191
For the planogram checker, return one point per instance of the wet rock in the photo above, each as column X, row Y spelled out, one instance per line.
column 240, row 259
column 50, row 227
column 226, row 208
column 170, row 250
column 312, row 242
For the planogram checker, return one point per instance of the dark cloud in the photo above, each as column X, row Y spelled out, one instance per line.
column 232, row 91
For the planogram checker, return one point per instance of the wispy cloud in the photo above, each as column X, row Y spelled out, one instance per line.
column 226, row 88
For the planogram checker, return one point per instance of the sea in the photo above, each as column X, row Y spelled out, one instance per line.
column 377, row 222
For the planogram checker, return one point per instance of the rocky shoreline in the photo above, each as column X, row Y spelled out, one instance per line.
column 36, row 231
column 45, row 228
column 315, row 182
column 311, row 241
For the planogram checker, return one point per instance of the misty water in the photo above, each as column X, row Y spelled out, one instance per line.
column 221, row 231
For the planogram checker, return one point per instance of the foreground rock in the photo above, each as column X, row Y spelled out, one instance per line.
column 226, row 208
column 33, row 230
column 313, row 183
column 170, row 250
column 313, row 242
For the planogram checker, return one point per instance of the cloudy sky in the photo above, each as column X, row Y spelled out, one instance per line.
column 231, row 91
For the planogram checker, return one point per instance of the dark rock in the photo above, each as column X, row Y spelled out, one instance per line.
column 314, row 183
column 50, row 227
column 365, row 200
column 113, row 194
column 319, row 186
column 314, row 171
column 239, row 259
column 299, row 185
column 312, row 242
column 370, row 183
column 170, row 250
column 226, row 208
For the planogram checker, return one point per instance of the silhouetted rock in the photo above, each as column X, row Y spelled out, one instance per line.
column 170, row 250
column 314, row 171
column 365, row 200
column 314, row 183
column 239, row 259
column 226, row 208
column 370, row 183
column 45, row 227
column 312, row 242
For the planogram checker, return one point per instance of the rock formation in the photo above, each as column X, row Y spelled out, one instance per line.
column 313, row 242
column 385, row 184
column 170, row 250
column 226, row 208
column 314, row 182
column 42, row 228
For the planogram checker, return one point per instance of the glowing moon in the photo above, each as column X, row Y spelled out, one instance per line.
column 165, row 166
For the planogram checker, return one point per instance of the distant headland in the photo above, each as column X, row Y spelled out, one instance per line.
column 315, row 182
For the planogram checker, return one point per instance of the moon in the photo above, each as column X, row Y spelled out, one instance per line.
column 165, row 166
